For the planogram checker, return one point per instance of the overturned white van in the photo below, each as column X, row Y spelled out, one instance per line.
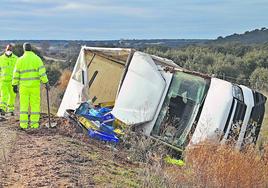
column 165, row 101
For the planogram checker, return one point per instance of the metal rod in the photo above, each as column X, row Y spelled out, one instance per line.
column 92, row 79
column 48, row 108
column 91, row 60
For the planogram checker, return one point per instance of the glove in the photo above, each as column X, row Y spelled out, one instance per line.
column 15, row 89
column 47, row 86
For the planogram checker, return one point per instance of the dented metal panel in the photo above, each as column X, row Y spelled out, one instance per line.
column 141, row 91
column 215, row 110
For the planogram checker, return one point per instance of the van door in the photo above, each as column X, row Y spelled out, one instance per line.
column 141, row 91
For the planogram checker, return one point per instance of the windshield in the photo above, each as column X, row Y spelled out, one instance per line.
column 180, row 108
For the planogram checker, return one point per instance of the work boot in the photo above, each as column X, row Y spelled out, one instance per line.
column 35, row 126
column 9, row 114
column 22, row 129
column 2, row 112
column 23, row 125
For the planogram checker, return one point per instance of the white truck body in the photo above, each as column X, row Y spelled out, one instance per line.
column 176, row 106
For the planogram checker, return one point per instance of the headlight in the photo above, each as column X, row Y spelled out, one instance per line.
column 237, row 93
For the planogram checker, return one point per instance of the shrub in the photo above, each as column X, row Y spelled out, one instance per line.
column 215, row 165
column 64, row 79
column 258, row 78
column 53, row 75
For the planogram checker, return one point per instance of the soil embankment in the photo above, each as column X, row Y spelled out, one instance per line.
column 60, row 157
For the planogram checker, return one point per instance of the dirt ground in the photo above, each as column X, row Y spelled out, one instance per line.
column 61, row 157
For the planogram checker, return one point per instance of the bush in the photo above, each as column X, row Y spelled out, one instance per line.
column 53, row 75
column 64, row 79
column 259, row 78
column 214, row 165
column 18, row 50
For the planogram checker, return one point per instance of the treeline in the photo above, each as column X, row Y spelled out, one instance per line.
column 235, row 62
column 242, row 64
column 256, row 36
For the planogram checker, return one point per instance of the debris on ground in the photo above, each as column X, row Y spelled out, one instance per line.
column 99, row 123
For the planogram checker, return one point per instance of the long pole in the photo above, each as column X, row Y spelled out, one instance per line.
column 48, row 108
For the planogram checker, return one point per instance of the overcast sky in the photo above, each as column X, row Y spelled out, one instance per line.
column 129, row 19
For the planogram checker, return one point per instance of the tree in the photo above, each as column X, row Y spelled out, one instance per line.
column 45, row 46
column 18, row 50
column 259, row 78
column 53, row 75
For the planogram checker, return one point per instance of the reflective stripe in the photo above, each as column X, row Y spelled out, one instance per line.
column 32, row 122
column 5, row 75
column 44, row 74
column 24, row 113
column 27, row 71
column 5, row 67
column 27, row 79
column 24, row 121
column 41, row 67
column 35, row 113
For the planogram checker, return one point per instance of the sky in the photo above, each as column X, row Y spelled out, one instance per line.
column 129, row 19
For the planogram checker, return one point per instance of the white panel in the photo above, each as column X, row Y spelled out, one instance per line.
column 249, row 101
column 148, row 127
column 215, row 110
column 166, row 61
column 141, row 91
column 72, row 97
column 73, row 93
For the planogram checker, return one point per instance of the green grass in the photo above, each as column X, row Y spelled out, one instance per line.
column 117, row 177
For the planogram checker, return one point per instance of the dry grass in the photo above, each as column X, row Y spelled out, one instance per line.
column 64, row 79
column 143, row 149
column 55, row 97
column 264, row 130
column 214, row 165
column 207, row 165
